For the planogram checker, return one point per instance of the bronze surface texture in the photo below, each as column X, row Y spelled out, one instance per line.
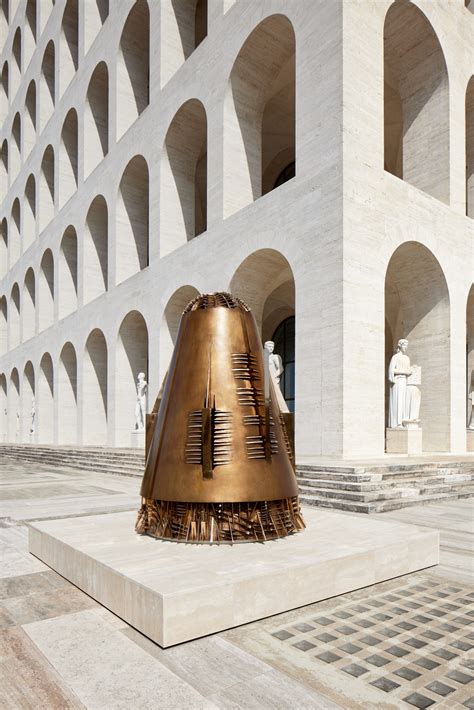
column 219, row 465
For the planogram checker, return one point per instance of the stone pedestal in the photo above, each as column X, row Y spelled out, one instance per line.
column 404, row 441
column 470, row 440
column 137, row 439
column 173, row 592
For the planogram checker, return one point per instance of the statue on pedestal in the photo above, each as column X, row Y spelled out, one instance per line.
column 405, row 397
column 33, row 416
column 140, row 407
column 470, row 405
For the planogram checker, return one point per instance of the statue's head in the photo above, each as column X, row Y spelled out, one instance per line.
column 270, row 346
column 141, row 376
column 403, row 345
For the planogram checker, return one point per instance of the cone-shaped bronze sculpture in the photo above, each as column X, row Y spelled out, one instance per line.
column 219, row 463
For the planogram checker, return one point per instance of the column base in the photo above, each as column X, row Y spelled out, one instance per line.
column 403, row 441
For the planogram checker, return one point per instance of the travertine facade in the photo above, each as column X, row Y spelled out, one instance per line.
column 140, row 145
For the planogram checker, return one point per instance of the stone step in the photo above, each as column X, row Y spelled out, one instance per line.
column 385, row 485
column 388, row 494
column 336, row 475
column 381, row 506
column 364, row 497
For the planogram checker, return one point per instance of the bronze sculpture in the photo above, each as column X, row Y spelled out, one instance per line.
column 219, row 463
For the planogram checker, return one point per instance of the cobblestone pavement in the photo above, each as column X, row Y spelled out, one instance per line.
column 405, row 643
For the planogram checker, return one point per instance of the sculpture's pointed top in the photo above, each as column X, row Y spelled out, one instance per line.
column 215, row 300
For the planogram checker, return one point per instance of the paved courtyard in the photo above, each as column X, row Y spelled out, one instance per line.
column 405, row 643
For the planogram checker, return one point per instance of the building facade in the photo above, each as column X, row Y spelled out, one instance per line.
column 314, row 158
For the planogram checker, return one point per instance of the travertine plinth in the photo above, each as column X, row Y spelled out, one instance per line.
column 404, row 441
column 173, row 592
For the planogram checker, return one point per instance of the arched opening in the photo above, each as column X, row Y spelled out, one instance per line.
column 29, row 213
column 14, row 407
column 133, row 67
column 14, row 339
column 3, row 325
column 265, row 281
column 67, row 273
column 94, row 408
column 68, row 158
column 95, row 269
column 30, row 31
column 46, row 291
column 46, row 193
column 4, row 177
column 28, row 404
column 67, row 395
column 184, row 177
column 132, row 358
column 47, row 85
column 16, row 65
column 3, row 248
column 15, row 147
column 170, row 324
column 45, row 402
column 5, row 89
column 14, row 240
column 96, row 119
column 470, row 366
column 416, row 101
column 470, row 148
column 29, row 119
column 417, row 309
column 132, row 220
column 3, row 409
column 29, row 302
column 259, row 125
column 94, row 18
column 68, row 44
column 184, row 24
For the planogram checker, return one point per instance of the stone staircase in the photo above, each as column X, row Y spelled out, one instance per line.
column 375, row 489
column 359, row 489
column 120, row 462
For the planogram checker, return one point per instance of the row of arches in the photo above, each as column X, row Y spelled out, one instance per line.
column 259, row 156
column 28, row 32
column 54, row 401
column 417, row 306
column 184, row 27
column 59, row 64
column 95, row 127
column 131, row 213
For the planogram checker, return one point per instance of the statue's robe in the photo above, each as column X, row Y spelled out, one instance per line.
column 397, row 411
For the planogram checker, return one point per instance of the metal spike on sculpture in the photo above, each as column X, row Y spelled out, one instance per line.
column 219, row 464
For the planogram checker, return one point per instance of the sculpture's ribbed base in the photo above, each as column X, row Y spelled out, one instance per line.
column 220, row 522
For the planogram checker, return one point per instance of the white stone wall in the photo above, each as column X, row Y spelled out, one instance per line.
column 103, row 270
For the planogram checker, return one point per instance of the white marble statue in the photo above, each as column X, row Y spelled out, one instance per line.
column 276, row 363
column 140, row 407
column 276, row 369
column 471, row 416
column 405, row 397
column 33, row 416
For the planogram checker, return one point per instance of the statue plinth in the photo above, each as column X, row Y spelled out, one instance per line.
column 404, row 440
column 137, row 439
column 470, row 440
